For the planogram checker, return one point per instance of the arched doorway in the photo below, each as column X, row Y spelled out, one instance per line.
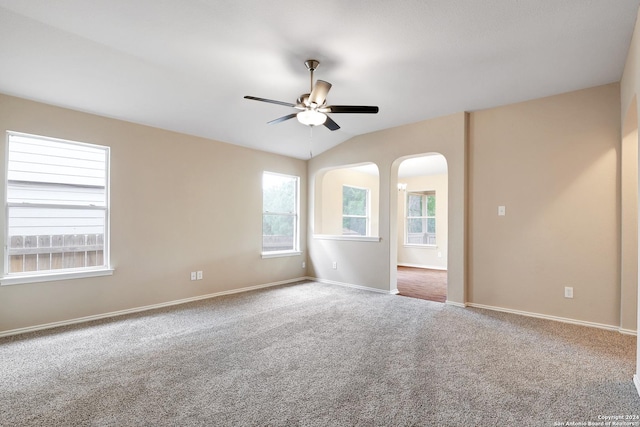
column 422, row 227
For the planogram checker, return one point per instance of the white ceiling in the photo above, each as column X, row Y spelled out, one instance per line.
column 186, row 65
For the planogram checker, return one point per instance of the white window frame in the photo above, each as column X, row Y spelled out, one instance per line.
column 366, row 216
column 296, row 220
column 56, row 274
column 423, row 194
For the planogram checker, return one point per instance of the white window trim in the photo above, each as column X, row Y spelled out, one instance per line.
column 419, row 246
column 347, row 238
column 296, row 238
column 367, row 215
column 423, row 193
column 280, row 254
column 21, row 278
column 65, row 274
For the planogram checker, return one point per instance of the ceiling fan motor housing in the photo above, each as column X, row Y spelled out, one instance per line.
column 303, row 100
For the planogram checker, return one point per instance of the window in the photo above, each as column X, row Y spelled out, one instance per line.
column 57, row 204
column 280, row 222
column 421, row 218
column 355, row 211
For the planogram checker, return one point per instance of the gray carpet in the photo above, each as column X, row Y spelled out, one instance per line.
column 316, row 355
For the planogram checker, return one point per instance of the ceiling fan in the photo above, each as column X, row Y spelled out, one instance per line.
column 313, row 105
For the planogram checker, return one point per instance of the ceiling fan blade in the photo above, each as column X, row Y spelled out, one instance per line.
column 330, row 124
column 319, row 92
column 357, row 109
column 271, row 101
column 282, row 119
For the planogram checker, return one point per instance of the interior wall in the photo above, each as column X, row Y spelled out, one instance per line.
column 553, row 162
column 373, row 263
column 430, row 256
column 629, row 89
column 331, row 199
column 629, row 221
column 178, row 204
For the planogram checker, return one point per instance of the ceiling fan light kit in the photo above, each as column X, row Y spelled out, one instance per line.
column 311, row 117
column 313, row 105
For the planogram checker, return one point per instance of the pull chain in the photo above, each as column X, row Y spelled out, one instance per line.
column 310, row 141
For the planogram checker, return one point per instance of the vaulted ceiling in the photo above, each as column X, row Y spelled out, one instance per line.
column 186, row 65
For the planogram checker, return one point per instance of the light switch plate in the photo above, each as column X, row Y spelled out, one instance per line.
column 568, row 292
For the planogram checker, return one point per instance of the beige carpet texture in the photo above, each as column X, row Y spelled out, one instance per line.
column 311, row 354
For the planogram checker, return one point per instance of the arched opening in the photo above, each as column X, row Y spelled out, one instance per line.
column 422, row 227
column 347, row 201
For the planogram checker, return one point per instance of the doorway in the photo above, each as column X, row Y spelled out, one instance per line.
column 422, row 245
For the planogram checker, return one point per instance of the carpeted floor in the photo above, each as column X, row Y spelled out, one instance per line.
column 316, row 355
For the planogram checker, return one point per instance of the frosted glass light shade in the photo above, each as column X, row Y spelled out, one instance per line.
column 311, row 117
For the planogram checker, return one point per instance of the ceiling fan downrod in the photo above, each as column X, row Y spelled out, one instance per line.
column 311, row 65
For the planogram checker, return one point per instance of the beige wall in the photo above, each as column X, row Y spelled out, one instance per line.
column 432, row 256
column 553, row 163
column 630, row 82
column 629, row 222
column 329, row 200
column 373, row 264
column 195, row 203
column 629, row 89
column 178, row 204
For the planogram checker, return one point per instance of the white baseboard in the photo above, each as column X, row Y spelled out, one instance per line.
column 315, row 279
column 555, row 318
column 350, row 285
column 493, row 308
column 456, row 304
column 636, row 381
column 429, row 267
column 144, row 308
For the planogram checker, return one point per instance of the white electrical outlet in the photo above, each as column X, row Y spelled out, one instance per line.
column 304, row 264
column 193, row 275
column 334, row 265
column 502, row 210
column 568, row 292
column 199, row 275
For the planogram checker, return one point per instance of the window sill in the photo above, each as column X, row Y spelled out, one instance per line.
column 347, row 238
column 415, row 246
column 15, row 279
column 280, row 254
